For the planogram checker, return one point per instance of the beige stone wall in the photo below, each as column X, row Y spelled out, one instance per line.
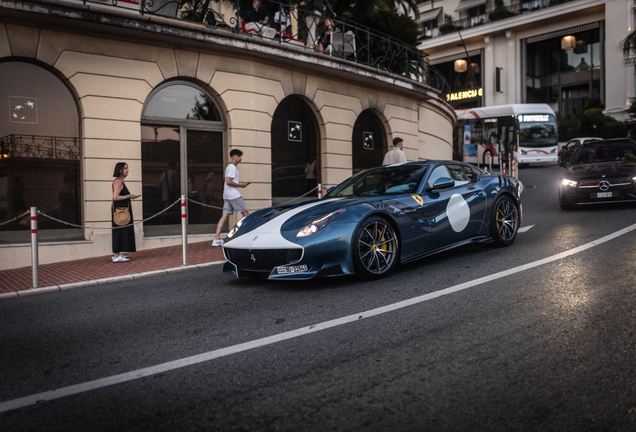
column 112, row 79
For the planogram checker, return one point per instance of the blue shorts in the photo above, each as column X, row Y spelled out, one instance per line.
column 235, row 205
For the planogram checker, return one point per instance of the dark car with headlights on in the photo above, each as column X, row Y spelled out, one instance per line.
column 375, row 220
column 600, row 172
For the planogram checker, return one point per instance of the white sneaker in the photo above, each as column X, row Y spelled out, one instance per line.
column 217, row 243
column 120, row 258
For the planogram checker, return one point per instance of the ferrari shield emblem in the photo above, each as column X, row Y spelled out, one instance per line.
column 418, row 199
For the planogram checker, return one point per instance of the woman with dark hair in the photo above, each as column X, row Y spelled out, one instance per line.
column 123, row 238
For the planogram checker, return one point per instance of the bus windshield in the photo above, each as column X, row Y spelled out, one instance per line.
column 538, row 134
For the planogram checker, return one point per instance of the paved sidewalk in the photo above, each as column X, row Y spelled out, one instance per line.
column 94, row 271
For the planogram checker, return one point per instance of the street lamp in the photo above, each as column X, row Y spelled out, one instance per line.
column 568, row 43
column 461, row 65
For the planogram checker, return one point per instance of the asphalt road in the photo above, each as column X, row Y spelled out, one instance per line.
column 468, row 340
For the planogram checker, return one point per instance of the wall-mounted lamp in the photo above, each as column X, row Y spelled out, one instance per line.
column 475, row 67
column 568, row 43
column 461, row 65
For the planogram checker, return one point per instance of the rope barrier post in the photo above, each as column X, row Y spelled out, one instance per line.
column 319, row 190
column 184, row 230
column 34, row 245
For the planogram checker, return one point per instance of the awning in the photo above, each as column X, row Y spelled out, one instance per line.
column 430, row 15
column 467, row 4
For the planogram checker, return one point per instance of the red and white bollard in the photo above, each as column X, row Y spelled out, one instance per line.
column 319, row 190
column 34, row 245
column 184, row 230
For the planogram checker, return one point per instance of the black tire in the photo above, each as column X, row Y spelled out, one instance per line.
column 375, row 248
column 504, row 221
column 565, row 206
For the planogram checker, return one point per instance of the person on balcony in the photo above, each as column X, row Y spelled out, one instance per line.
column 256, row 20
column 324, row 40
column 314, row 11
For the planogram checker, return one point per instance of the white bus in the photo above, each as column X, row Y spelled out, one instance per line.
column 488, row 135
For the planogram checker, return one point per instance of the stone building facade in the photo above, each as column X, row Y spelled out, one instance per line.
column 107, row 85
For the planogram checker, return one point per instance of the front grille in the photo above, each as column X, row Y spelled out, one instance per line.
column 587, row 184
column 262, row 259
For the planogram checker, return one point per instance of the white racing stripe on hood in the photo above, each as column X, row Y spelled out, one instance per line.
column 268, row 236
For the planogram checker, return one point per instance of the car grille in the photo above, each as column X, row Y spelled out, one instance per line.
column 262, row 259
column 587, row 184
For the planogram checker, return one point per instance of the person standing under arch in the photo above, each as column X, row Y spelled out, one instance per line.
column 396, row 155
column 232, row 199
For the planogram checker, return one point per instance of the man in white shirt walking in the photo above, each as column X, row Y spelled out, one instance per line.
column 232, row 199
column 396, row 155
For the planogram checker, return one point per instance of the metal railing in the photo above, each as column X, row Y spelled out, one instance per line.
column 42, row 147
column 288, row 23
column 521, row 8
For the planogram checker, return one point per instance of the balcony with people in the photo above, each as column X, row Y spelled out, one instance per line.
column 299, row 25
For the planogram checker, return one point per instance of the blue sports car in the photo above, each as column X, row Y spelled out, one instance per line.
column 375, row 220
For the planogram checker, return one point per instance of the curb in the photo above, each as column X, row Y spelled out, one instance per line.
column 105, row 281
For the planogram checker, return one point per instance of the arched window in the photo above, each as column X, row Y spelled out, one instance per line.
column 295, row 150
column 39, row 153
column 182, row 154
column 368, row 141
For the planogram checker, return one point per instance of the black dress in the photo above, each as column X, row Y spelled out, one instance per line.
column 123, row 238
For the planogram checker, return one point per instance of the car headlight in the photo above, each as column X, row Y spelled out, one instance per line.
column 236, row 227
column 554, row 150
column 523, row 152
column 570, row 183
column 634, row 178
column 319, row 224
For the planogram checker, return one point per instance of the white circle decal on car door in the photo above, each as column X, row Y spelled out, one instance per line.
column 458, row 212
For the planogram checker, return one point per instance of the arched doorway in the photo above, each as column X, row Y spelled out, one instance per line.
column 368, row 142
column 295, row 150
column 182, row 153
column 39, row 154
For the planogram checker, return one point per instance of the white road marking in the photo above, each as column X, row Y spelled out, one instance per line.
column 211, row 355
column 525, row 228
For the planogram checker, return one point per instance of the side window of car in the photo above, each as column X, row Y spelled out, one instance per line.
column 571, row 145
column 438, row 173
column 459, row 174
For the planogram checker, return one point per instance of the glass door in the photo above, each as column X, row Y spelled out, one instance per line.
column 205, row 175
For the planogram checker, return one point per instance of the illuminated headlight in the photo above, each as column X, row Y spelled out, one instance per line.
column 523, row 152
column 235, row 229
column 319, row 224
column 570, row 183
column 634, row 179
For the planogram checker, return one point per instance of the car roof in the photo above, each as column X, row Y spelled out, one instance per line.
column 610, row 142
column 586, row 138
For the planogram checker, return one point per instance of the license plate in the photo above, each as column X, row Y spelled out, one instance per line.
column 291, row 269
column 604, row 195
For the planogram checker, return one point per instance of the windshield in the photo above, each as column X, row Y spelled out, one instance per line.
column 603, row 153
column 538, row 134
column 382, row 181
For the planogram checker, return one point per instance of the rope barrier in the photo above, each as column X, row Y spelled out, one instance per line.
column 15, row 218
column 140, row 221
column 252, row 210
column 110, row 228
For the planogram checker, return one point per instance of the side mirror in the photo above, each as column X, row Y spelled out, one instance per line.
column 443, row 183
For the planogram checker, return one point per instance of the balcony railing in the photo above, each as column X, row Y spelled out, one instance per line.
column 287, row 26
column 521, row 8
